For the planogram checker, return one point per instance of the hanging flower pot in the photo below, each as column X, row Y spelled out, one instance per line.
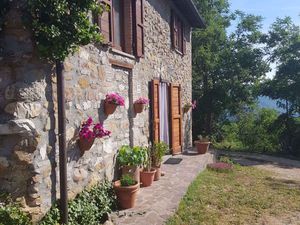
column 88, row 133
column 113, row 100
column 138, row 107
column 109, row 108
column 85, row 144
column 139, row 104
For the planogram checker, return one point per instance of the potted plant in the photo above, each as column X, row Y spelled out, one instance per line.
column 89, row 132
column 147, row 173
column 158, row 150
column 113, row 100
column 202, row 145
column 190, row 105
column 139, row 104
column 126, row 190
column 130, row 160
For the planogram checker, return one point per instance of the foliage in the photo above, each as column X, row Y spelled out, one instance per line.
column 91, row 205
column 127, row 180
column 11, row 213
column 60, row 26
column 148, row 160
column 252, row 131
column 4, row 7
column 115, row 98
column 89, row 133
column 128, row 156
column 244, row 196
column 226, row 68
column 283, row 44
column 158, row 150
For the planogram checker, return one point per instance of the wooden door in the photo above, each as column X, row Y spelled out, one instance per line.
column 155, row 110
column 176, row 119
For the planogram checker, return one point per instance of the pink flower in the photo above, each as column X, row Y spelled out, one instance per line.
column 115, row 98
column 90, row 132
column 142, row 100
column 194, row 104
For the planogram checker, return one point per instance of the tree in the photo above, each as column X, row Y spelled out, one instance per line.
column 226, row 68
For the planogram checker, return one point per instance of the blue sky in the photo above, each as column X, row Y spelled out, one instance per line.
column 269, row 9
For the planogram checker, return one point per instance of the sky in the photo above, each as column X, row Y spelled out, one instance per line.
column 269, row 10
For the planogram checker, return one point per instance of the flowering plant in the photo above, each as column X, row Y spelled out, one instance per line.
column 142, row 100
column 115, row 98
column 192, row 105
column 89, row 131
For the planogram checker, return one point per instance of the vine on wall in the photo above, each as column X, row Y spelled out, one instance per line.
column 59, row 26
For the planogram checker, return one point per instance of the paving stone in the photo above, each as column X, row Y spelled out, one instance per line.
column 157, row 203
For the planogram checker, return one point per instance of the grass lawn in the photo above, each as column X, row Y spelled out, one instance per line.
column 244, row 196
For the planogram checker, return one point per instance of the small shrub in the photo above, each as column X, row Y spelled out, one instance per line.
column 157, row 152
column 226, row 159
column 11, row 213
column 91, row 205
column 127, row 180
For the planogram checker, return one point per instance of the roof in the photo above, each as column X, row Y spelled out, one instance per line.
column 189, row 10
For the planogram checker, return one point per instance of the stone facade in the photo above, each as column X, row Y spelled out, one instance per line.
column 28, row 107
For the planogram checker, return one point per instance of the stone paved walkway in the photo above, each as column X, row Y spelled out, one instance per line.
column 157, row 203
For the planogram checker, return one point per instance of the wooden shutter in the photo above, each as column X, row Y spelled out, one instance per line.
column 139, row 28
column 183, row 40
column 105, row 21
column 155, row 110
column 176, row 120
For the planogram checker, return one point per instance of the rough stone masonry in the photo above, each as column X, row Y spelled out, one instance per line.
column 28, row 107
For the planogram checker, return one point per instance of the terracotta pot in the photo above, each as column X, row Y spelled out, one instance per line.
column 138, row 108
column 202, row 146
column 157, row 173
column 133, row 171
column 85, row 145
column 147, row 177
column 126, row 195
column 109, row 108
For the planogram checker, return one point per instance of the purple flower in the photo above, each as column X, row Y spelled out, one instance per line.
column 115, row 98
column 142, row 100
column 90, row 132
column 194, row 104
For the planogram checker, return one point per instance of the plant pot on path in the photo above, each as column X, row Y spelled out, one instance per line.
column 109, row 108
column 157, row 174
column 147, row 177
column 126, row 194
column 133, row 171
column 138, row 107
column 202, row 146
column 85, row 144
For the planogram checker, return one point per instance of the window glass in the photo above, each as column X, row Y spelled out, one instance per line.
column 117, row 22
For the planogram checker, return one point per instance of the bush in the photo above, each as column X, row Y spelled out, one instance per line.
column 10, row 212
column 91, row 205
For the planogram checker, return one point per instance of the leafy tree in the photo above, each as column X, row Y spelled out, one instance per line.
column 226, row 68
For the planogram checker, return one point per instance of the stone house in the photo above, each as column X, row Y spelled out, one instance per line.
column 147, row 53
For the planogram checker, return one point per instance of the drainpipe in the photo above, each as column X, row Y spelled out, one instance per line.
column 62, row 143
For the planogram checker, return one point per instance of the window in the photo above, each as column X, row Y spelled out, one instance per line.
column 122, row 25
column 177, row 34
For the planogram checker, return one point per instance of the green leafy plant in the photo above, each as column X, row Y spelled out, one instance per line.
column 157, row 152
column 11, row 213
column 148, row 160
column 91, row 205
column 60, row 26
column 127, row 180
column 128, row 156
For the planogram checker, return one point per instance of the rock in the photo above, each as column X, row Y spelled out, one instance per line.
column 23, row 127
column 23, row 109
column 23, row 157
column 70, row 133
column 83, row 83
column 4, row 164
column 21, row 91
column 79, row 175
column 43, row 151
column 108, row 222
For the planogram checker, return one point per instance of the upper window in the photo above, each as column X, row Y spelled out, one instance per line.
column 178, row 34
column 122, row 25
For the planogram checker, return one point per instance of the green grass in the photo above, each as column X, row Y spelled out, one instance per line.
column 243, row 196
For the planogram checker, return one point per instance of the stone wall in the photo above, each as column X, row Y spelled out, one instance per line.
column 28, row 107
